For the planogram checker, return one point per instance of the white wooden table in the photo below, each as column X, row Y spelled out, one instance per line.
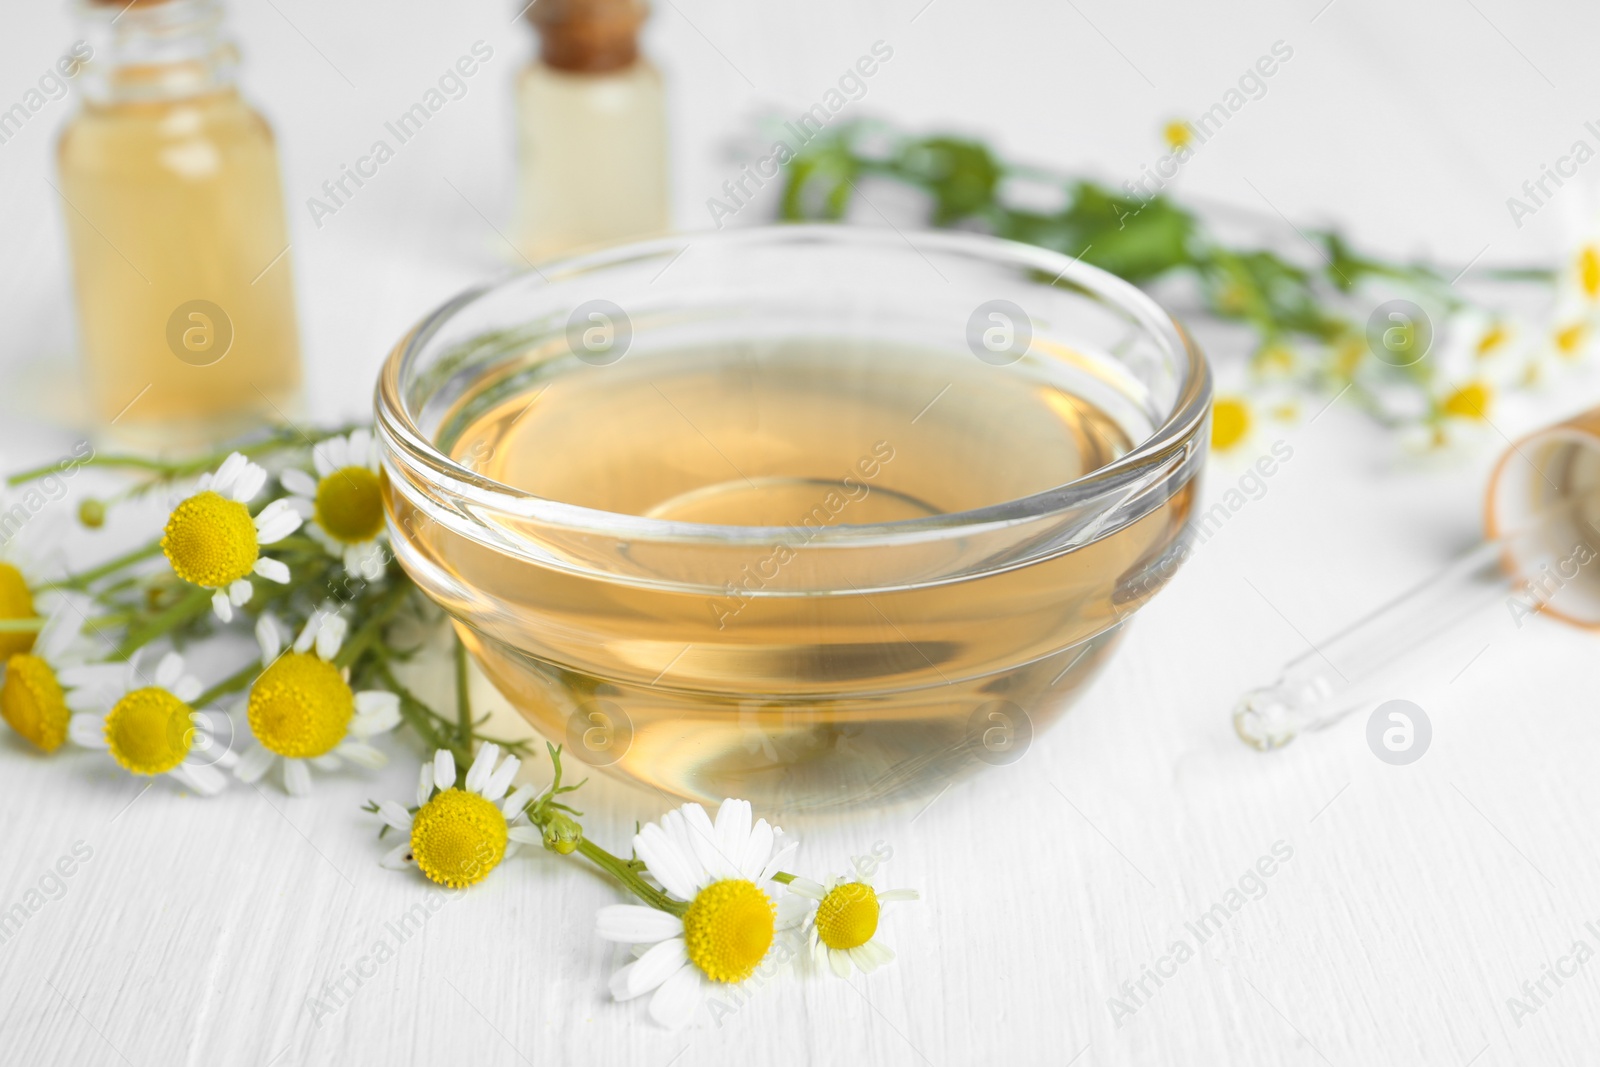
column 1417, row 900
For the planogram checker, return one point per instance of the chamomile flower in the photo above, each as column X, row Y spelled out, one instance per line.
column 457, row 836
column 33, row 701
column 149, row 725
column 722, row 872
column 303, row 710
column 843, row 928
column 344, row 502
column 212, row 541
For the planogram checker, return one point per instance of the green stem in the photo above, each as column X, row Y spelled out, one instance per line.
column 428, row 724
column 783, row 876
column 231, row 684
column 22, row 626
column 111, row 566
column 463, row 695
column 280, row 438
column 196, row 602
column 372, row 629
column 619, row 869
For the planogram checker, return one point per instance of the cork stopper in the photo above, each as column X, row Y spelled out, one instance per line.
column 588, row 36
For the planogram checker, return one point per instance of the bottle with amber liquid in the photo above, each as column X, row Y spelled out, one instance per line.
column 592, row 143
column 174, row 213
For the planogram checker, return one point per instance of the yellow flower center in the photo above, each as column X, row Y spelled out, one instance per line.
column 1348, row 357
column 1471, row 401
column 32, row 702
column 1230, row 422
column 1178, row 133
column 729, row 929
column 458, row 838
column 1492, row 339
column 300, row 706
column 150, row 731
column 211, row 540
column 848, row 915
column 1570, row 339
column 1589, row 271
column 16, row 602
column 350, row 505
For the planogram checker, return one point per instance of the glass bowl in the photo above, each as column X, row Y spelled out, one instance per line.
column 812, row 515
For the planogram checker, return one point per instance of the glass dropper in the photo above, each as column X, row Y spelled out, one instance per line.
column 1527, row 571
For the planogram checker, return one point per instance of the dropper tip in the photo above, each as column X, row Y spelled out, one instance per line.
column 1263, row 721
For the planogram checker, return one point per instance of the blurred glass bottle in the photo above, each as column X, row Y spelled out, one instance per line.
column 175, row 219
column 592, row 139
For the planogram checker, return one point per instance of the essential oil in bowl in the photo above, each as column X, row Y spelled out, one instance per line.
column 787, row 667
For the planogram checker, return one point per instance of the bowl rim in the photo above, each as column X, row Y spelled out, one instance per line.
column 1141, row 468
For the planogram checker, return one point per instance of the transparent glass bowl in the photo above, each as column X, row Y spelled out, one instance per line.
column 872, row 654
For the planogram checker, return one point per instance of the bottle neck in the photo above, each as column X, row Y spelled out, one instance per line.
column 152, row 50
column 588, row 36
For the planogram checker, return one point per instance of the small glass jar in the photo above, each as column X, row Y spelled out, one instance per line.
column 799, row 514
column 175, row 220
column 591, row 131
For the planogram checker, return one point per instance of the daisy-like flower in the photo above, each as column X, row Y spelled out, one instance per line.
column 457, row 836
column 344, row 502
column 148, row 725
column 843, row 929
column 212, row 541
column 302, row 707
column 16, row 603
column 33, row 701
column 722, row 872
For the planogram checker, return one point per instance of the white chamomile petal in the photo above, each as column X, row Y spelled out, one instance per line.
column 277, row 520
column 256, row 761
column 308, row 633
column 87, row 730
column 703, row 839
column 805, row 887
column 664, row 858
column 296, row 778
column 269, row 638
column 203, row 779
column 273, row 570
column 527, row 835
column 227, row 474
column 330, row 636
column 663, row 960
column 891, row 895
column 251, row 480
column 482, row 766
column 391, row 812
column 495, row 788
column 425, row 784
column 635, row 924
column 328, row 761
column 516, row 802
column 444, row 770
column 675, row 1003
column 299, row 482
column 363, row 755
column 186, row 688
column 360, row 452
column 168, row 670
column 398, row 858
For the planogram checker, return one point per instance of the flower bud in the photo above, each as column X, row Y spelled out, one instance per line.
column 92, row 513
column 562, row 834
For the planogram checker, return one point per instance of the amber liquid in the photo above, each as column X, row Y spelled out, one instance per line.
column 784, row 679
column 185, row 296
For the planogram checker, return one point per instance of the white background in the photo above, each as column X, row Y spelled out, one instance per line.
column 1418, row 898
